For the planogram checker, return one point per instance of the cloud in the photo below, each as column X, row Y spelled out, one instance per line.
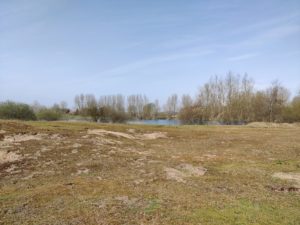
column 155, row 60
column 135, row 44
column 280, row 32
column 271, row 23
column 242, row 57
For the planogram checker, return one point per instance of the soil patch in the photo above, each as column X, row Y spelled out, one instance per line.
column 8, row 157
column 131, row 136
column 270, row 125
column 184, row 171
column 295, row 177
column 22, row 137
column 153, row 136
column 116, row 134
column 284, row 189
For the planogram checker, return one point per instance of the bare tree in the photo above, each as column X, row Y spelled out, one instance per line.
column 135, row 106
column 171, row 105
column 157, row 108
column 186, row 101
column 149, row 111
column 112, row 108
column 132, row 106
column 79, row 102
column 91, row 107
column 63, row 106
column 277, row 99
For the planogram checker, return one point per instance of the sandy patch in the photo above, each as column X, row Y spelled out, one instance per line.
column 8, row 157
column 190, row 170
column 131, row 130
column 11, row 168
column 116, row 134
column 153, row 136
column 271, row 125
column 105, row 141
column 76, row 145
column 37, row 154
column 22, row 138
column 83, row 171
column 174, row 174
column 138, row 181
column 2, row 131
column 295, row 177
column 210, row 156
column 125, row 200
column 184, row 171
column 131, row 136
column 37, row 174
column 45, row 149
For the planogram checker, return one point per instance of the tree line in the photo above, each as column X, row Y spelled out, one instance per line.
column 116, row 108
column 232, row 99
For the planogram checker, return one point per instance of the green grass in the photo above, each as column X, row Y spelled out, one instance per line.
column 244, row 212
column 124, row 181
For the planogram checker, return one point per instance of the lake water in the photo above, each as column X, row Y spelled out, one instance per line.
column 156, row 122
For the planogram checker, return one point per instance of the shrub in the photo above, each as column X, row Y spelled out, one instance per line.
column 20, row 111
column 49, row 114
column 291, row 113
column 118, row 117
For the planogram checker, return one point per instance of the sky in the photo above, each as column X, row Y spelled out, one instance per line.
column 51, row 50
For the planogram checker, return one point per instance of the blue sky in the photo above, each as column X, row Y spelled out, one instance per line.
column 51, row 50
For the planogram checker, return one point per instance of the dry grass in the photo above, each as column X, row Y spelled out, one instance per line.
column 66, row 174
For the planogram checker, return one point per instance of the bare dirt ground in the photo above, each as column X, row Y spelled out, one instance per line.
column 86, row 173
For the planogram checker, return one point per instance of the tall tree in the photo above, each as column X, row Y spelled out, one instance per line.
column 171, row 105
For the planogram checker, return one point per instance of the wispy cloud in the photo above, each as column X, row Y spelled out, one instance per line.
column 280, row 32
column 133, row 45
column 265, row 37
column 242, row 57
column 155, row 60
column 268, row 24
column 261, row 33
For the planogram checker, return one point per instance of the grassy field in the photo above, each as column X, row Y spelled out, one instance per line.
column 86, row 173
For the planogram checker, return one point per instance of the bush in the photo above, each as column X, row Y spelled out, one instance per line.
column 20, row 111
column 291, row 113
column 118, row 117
column 48, row 114
column 191, row 115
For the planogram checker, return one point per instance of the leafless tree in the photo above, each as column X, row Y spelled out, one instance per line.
column 171, row 105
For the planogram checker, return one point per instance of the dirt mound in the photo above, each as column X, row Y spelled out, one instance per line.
column 184, row 171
